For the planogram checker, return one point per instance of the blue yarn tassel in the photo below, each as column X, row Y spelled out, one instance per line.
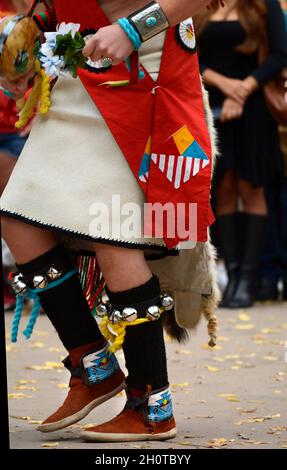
column 33, row 317
column 141, row 71
column 17, row 317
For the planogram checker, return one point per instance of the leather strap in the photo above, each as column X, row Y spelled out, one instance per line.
column 75, row 371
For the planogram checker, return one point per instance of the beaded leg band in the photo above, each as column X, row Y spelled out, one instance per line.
column 94, row 367
column 113, row 321
column 155, row 405
column 41, row 282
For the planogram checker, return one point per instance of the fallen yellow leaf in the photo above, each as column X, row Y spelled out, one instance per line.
column 63, row 386
column 257, row 420
column 36, row 345
column 241, row 410
column 24, row 382
column 40, row 333
column 270, row 358
column 269, row 330
column 211, row 368
column 50, row 444
column 11, row 348
column 218, row 442
column 26, row 387
column 243, row 316
column 182, row 384
column 18, row 396
column 247, row 326
column 226, row 395
column 48, row 365
column 187, row 352
column 182, row 443
column 223, row 339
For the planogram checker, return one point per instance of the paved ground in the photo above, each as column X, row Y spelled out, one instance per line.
column 233, row 396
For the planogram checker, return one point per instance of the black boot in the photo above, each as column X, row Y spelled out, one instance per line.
column 285, row 290
column 267, row 289
column 227, row 234
column 244, row 294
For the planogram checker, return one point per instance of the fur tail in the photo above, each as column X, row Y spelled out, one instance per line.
column 173, row 329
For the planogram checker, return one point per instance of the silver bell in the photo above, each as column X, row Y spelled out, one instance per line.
column 167, row 302
column 153, row 312
column 40, row 282
column 18, row 284
column 101, row 310
column 129, row 314
column 53, row 273
column 105, row 299
column 116, row 316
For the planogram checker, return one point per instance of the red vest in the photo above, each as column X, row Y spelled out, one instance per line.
column 159, row 126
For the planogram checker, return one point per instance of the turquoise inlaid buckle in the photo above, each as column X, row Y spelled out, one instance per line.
column 149, row 21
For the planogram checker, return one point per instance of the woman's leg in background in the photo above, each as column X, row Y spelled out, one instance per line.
column 270, row 266
column 255, row 210
column 227, row 229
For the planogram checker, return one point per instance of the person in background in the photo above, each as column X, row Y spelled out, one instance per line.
column 273, row 266
column 11, row 145
column 229, row 43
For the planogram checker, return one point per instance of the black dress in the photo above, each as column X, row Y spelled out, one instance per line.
column 249, row 145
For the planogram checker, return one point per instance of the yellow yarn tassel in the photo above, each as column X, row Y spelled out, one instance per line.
column 40, row 91
column 45, row 93
column 115, row 332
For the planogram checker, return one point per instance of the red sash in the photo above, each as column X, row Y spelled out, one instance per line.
column 159, row 126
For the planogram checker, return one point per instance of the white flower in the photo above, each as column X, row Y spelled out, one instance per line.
column 53, row 65
column 62, row 29
column 66, row 28
column 51, row 39
column 46, row 50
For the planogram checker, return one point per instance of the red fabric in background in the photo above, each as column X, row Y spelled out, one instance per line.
column 4, row 6
column 7, row 121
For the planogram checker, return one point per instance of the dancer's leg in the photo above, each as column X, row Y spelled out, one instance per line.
column 35, row 251
column 148, row 412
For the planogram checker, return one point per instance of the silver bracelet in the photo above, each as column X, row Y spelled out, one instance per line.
column 149, row 21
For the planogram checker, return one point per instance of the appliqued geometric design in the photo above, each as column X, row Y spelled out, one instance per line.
column 185, row 36
column 160, row 406
column 145, row 163
column 179, row 169
column 100, row 365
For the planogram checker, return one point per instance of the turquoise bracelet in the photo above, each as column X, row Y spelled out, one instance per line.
column 131, row 32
